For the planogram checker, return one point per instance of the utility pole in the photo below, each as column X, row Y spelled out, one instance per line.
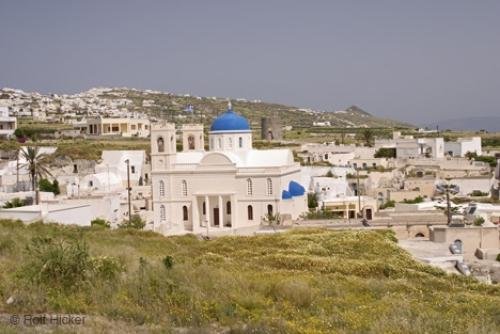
column 448, row 205
column 359, row 192
column 17, row 170
column 128, row 191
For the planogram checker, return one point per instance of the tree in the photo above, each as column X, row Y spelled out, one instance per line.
column 367, row 137
column 385, row 152
column 312, row 201
column 46, row 185
column 36, row 163
column 135, row 222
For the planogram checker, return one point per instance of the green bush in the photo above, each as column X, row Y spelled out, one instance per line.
column 478, row 193
column 168, row 262
column 99, row 222
column 312, row 201
column 416, row 200
column 135, row 222
column 52, row 187
column 65, row 264
column 388, row 204
column 385, row 152
column 59, row 264
column 478, row 221
column 14, row 203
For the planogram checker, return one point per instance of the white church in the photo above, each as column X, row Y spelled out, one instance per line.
column 229, row 187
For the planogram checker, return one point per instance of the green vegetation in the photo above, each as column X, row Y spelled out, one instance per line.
column 100, row 223
column 323, row 214
column 303, row 281
column 388, row 204
column 416, row 200
column 478, row 193
column 478, row 221
column 135, row 222
column 16, row 202
column 312, row 201
column 492, row 161
column 384, row 152
column 46, row 185
column 37, row 164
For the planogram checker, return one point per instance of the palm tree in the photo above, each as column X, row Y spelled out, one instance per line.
column 36, row 164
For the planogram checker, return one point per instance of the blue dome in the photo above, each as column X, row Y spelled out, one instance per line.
column 285, row 194
column 296, row 189
column 230, row 121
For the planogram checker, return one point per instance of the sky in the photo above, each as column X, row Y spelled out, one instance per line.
column 415, row 61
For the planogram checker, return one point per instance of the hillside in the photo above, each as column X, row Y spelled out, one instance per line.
column 183, row 108
column 304, row 281
column 167, row 105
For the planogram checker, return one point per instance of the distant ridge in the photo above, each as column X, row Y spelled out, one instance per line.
column 488, row 123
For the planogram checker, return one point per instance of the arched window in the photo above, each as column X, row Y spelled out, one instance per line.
column 249, row 187
column 250, row 212
column 228, row 207
column 269, row 186
column 172, row 143
column 184, row 188
column 191, row 142
column 219, row 142
column 230, row 140
column 160, row 144
column 185, row 213
column 240, row 142
column 269, row 209
column 162, row 188
column 163, row 213
column 204, row 209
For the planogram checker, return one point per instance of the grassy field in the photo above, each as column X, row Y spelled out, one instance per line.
column 304, row 281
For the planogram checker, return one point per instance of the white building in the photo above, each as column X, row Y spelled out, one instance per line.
column 8, row 124
column 420, row 147
column 463, row 145
column 229, row 187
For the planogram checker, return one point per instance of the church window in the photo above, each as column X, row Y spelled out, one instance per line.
column 228, row 207
column 184, row 188
column 249, row 187
column 240, row 140
column 160, row 144
column 184, row 213
column 269, row 186
column 163, row 214
column 250, row 212
column 162, row 188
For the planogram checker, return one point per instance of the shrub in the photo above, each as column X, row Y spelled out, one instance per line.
column 99, row 222
column 498, row 257
column 14, row 203
column 478, row 221
column 418, row 199
column 312, row 201
column 385, row 152
column 478, row 193
column 135, row 222
column 46, row 185
column 59, row 264
column 65, row 264
column 168, row 262
column 388, row 204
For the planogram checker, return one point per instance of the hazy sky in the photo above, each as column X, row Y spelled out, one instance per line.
column 411, row 60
